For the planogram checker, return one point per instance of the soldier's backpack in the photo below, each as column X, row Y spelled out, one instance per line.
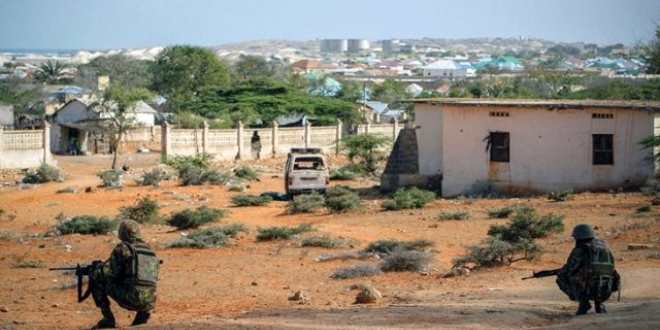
column 144, row 267
column 603, row 278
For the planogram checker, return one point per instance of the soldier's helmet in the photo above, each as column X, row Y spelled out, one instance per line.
column 129, row 231
column 583, row 231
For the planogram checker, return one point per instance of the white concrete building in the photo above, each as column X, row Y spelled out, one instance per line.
column 534, row 146
column 78, row 122
column 449, row 69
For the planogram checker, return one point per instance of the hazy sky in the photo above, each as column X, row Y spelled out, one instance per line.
column 106, row 24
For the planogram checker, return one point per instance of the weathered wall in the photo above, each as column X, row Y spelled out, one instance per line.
column 24, row 149
column 550, row 149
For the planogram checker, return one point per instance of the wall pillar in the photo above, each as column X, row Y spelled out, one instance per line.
column 338, row 137
column 367, row 129
column 274, row 138
column 308, row 134
column 165, row 140
column 395, row 129
column 205, row 137
column 48, row 157
column 239, row 140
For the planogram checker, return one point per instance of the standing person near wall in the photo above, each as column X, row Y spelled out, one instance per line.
column 255, row 141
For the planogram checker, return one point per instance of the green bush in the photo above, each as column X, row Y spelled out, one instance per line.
column 196, row 170
column 187, row 219
column 153, row 177
column 44, row 173
column 387, row 246
column 453, row 216
column 349, row 172
column 507, row 210
column 403, row 260
column 111, row 178
column 211, row 237
column 339, row 199
column 277, row 233
column 306, row 203
column 514, row 241
column 643, row 209
column 483, row 189
column 247, row 173
column 360, row 270
column 196, row 176
column 323, row 241
column 201, row 161
column 561, row 195
column 412, row 198
column 251, row 200
column 144, row 211
column 85, row 224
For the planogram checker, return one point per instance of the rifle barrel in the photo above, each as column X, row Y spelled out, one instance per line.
column 63, row 268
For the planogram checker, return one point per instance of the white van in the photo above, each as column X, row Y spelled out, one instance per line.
column 306, row 171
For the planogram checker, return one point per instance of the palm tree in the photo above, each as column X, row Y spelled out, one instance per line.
column 53, row 72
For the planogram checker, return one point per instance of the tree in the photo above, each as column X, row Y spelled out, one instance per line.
column 182, row 74
column 653, row 53
column 129, row 72
column 252, row 66
column 26, row 99
column 118, row 106
column 366, row 147
column 259, row 102
column 53, row 72
column 390, row 91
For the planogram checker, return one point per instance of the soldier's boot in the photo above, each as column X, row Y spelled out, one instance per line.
column 141, row 318
column 583, row 308
column 600, row 307
column 108, row 320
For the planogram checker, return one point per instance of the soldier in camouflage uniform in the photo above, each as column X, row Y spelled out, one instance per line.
column 589, row 272
column 129, row 277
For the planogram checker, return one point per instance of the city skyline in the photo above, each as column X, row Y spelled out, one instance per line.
column 104, row 24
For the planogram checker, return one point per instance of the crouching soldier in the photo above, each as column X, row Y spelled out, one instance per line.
column 589, row 272
column 129, row 277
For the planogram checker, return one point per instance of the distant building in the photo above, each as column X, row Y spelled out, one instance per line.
column 357, row 45
column 449, row 69
column 334, row 45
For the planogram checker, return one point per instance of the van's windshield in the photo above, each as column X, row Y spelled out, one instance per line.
column 308, row 163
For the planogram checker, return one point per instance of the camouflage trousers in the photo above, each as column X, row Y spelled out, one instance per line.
column 584, row 287
column 131, row 297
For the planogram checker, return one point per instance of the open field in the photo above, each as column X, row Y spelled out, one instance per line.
column 248, row 284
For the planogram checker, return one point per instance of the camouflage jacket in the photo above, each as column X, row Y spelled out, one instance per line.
column 576, row 276
column 132, row 264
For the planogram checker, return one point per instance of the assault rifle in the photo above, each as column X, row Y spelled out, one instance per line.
column 80, row 272
column 543, row 273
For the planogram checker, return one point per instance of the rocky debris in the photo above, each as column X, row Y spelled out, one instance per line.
column 91, row 189
column 367, row 294
column 636, row 246
column 300, row 298
column 454, row 272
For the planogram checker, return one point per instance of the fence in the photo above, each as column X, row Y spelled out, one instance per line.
column 25, row 148
column 223, row 143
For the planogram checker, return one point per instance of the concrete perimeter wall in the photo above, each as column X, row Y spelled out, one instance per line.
column 275, row 141
column 25, row 148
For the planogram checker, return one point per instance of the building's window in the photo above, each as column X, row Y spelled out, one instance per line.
column 499, row 114
column 602, row 115
column 603, row 149
column 499, row 147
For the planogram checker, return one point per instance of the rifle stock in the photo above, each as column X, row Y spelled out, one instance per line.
column 81, row 271
column 543, row 273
